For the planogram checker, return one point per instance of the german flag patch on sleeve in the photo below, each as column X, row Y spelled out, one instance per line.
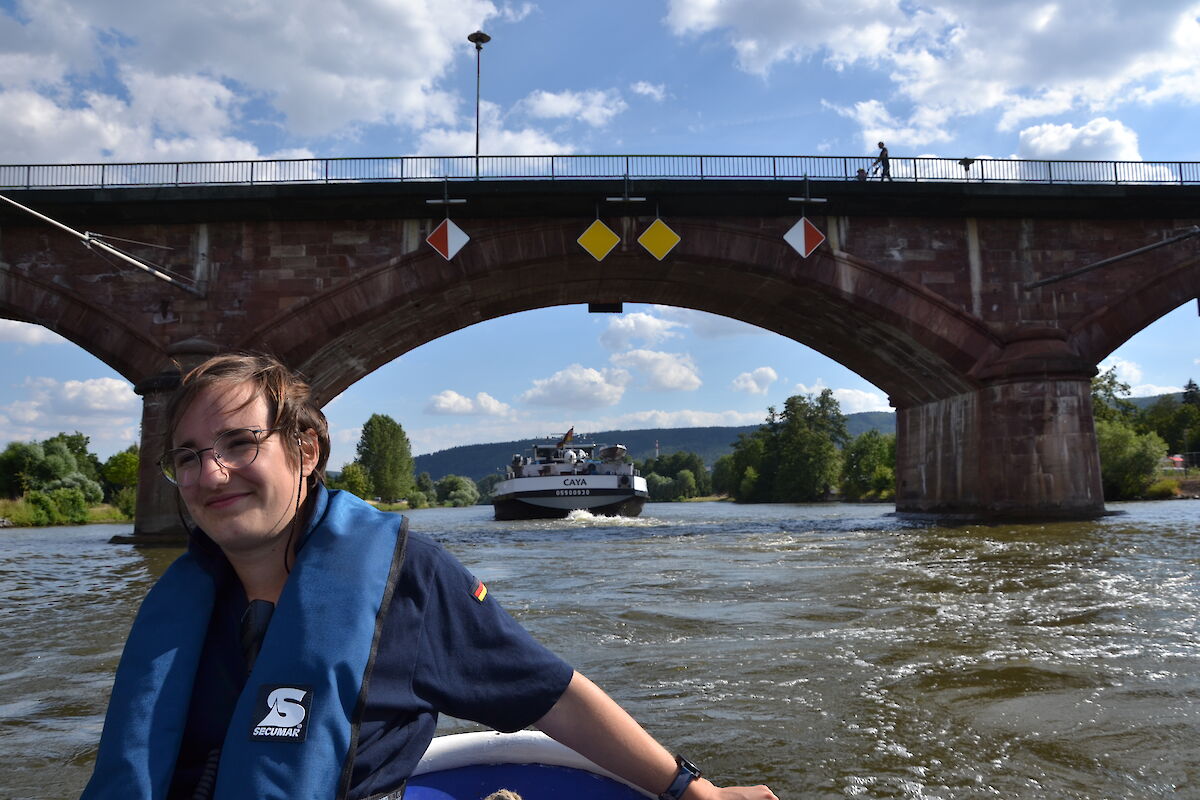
column 480, row 591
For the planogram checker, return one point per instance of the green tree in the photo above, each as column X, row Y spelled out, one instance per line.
column 685, row 484
column 121, row 469
column 809, row 441
column 457, row 491
column 795, row 456
column 660, row 488
column 72, row 503
column 86, row 462
column 1128, row 460
column 749, row 453
column 19, row 465
column 868, row 465
column 722, row 475
column 1191, row 394
column 1108, row 398
column 671, row 464
column 748, row 487
column 384, row 452
column 355, row 480
column 88, row 489
column 125, row 499
column 1177, row 423
column 487, row 486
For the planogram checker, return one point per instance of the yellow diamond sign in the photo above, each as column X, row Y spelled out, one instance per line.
column 658, row 239
column 598, row 240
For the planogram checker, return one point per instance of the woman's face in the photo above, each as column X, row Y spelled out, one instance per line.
column 244, row 510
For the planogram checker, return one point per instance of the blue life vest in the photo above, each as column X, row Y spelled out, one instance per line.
column 295, row 727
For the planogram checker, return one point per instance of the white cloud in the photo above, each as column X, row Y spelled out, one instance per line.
column 684, row 418
column 851, row 401
column 189, row 72
column 1101, row 139
column 706, row 325
column 662, row 371
column 451, row 402
column 625, row 329
column 27, row 333
column 655, row 91
column 494, row 138
column 596, row 107
column 1152, row 390
column 516, row 14
column 1127, row 371
column 105, row 408
column 578, row 387
column 948, row 58
column 756, row 382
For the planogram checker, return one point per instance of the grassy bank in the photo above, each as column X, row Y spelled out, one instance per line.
column 25, row 515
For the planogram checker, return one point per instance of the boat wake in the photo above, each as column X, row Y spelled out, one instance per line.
column 582, row 518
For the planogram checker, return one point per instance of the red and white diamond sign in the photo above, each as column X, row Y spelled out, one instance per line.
column 447, row 239
column 804, row 237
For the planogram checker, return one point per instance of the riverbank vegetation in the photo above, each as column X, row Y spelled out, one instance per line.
column 802, row 453
column 1147, row 452
column 59, row 481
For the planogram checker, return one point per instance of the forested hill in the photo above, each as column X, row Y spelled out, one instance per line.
column 478, row 460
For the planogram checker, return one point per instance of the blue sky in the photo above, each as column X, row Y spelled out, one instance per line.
column 145, row 81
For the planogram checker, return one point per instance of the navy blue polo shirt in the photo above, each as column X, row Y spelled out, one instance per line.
column 441, row 651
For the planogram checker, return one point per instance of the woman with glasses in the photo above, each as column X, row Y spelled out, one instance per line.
column 305, row 644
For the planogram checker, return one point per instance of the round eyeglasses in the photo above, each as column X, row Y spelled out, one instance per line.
column 233, row 449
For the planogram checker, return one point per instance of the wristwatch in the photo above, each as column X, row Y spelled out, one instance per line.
column 687, row 773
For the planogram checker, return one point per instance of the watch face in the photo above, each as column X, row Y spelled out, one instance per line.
column 689, row 766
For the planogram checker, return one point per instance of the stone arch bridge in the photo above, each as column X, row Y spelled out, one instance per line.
column 921, row 288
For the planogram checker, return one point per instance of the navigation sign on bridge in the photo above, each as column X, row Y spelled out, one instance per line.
column 447, row 239
column 804, row 237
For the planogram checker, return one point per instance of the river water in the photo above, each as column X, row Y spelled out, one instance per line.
column 832, row 651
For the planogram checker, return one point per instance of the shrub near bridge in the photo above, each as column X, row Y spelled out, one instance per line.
column 66, row 506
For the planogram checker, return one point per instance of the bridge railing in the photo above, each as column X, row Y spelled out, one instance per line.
column 573, row 167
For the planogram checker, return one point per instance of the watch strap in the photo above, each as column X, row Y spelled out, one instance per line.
column 687, row 773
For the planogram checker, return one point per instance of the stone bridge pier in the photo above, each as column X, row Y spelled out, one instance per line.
column 1021, row 447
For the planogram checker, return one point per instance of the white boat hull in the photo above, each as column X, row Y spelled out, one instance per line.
column 556, row 496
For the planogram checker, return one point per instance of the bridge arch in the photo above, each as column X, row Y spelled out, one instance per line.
column 108, row 336
column 1160, row 290
column 908, row 341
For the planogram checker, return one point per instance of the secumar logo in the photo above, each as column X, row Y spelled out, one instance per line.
column 286, row 713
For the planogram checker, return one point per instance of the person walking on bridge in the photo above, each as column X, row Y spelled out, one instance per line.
column 883, row 162
column 306, row 643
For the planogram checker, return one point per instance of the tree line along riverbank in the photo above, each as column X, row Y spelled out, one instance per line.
column 803, row 452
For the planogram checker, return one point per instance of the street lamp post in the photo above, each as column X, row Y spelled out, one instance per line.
column 479, row 39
